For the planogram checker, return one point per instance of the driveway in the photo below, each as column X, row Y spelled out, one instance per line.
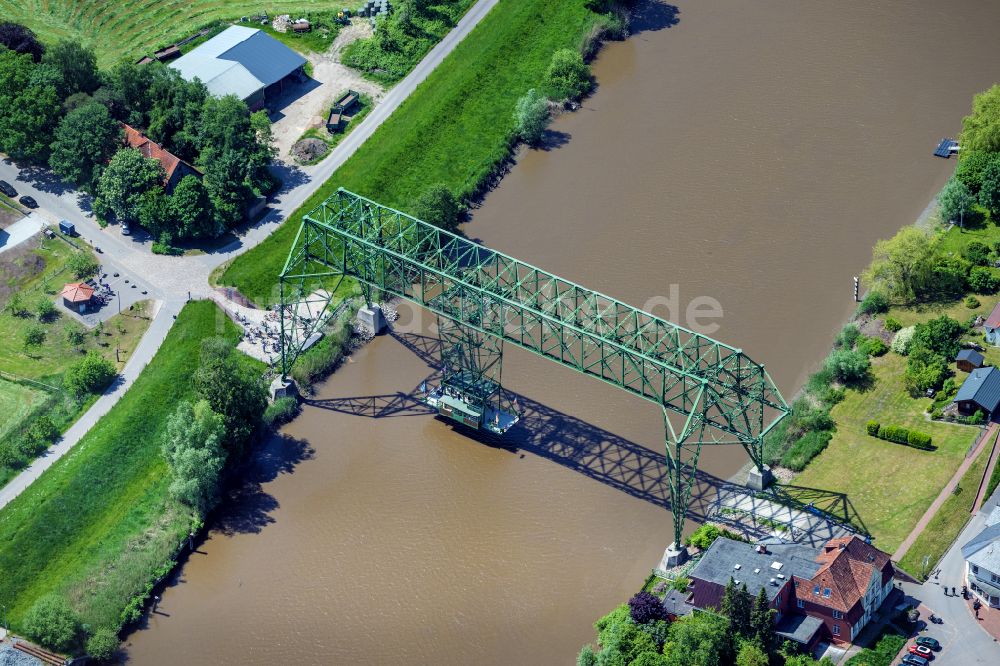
column 963, row 639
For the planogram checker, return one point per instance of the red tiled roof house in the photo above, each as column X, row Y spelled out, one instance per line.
column 174, row 167
column 829, row 593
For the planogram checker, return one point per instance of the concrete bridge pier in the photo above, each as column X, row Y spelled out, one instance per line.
column 371, row 317
column 759, row 479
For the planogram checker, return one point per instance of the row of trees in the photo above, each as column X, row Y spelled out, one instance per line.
column 977, row 179
column 58, row 109
column 742, row 633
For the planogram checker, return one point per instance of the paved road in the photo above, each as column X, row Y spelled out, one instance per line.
column 175, row 278
column 964, row 640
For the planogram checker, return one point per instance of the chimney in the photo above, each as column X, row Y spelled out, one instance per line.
column 762, row 549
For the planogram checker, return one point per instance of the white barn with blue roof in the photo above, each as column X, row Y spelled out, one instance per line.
column 241, row 61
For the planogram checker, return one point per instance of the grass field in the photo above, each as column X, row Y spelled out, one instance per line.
column 454, row 129
column 98, row 524
column 890, row 485
column 130, row 29
column 16, row 402
column 947, row 523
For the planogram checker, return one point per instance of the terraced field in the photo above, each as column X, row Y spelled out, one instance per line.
column 131, row 28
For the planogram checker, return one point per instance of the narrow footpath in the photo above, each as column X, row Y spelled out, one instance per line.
column 988, row 440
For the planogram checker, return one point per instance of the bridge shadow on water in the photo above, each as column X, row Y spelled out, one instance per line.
column 593, row 451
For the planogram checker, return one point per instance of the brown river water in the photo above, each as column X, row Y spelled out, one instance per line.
column 751, row 153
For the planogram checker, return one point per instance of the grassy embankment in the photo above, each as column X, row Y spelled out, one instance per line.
column 98, row 525
column 455, row 128
column 130, row 28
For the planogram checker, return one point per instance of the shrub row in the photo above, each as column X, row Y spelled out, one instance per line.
column 900, row 435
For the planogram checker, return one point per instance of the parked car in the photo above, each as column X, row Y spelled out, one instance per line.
column 914, row 660
column 28, row 202
column 921, row 651
column 927, row 641
column 125, row 230
column 6, row 188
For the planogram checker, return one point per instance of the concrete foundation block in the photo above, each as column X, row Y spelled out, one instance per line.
column 372, row 318
column 674, row 556
column 758, row 479
column 282, row 388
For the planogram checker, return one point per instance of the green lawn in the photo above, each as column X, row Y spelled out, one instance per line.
column 454, row 129
column 98, row 524
column 132, row 28
column 947, row 523
column 891, row 485
column 16, row 402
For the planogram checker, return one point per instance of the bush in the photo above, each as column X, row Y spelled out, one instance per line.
column 531, row 116
column 102, row 645
column 53, row 624
column 705, row 536
column 281, row 411
column 805, row 449
column 848, row 366
column 892, row 324
column 847, row 336
column 983, row 280
column 45, row 308
column 438, row 206
column 873, row 347
column 902, row 340
column 901, row 435
column 646, row 607
column 972, row 302
column 91, row 374
column 872, row 427
column 568, row 76
column 919, row 440
column 82, row 265
column 978, row 253
column 874, row 302
column 34, row 336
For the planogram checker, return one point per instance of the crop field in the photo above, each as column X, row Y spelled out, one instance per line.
column 132, row 28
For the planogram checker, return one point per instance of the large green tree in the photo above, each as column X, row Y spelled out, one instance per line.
column 762, row 623
column 989, row 190
column 29, row 106
column 568, row 77
column 903, row 265
column 84, row 141
column 736, row 605
column 174, row 117
column 955, row 200
column 91, row 374
column 192, row 447
column 190, row 210
column 124, row 182
column 77, row 65
column 531, row 116
column 438, row 206
column 233, row 389
column 981, row 128
column 52, row 622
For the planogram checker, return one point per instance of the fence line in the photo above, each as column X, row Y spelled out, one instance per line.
column 16, row 379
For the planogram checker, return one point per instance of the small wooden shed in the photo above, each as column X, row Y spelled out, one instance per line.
column 968, row 360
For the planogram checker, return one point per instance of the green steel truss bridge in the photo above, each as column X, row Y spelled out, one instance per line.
column 710, row 394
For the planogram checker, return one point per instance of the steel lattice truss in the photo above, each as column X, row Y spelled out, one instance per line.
column 710, row 393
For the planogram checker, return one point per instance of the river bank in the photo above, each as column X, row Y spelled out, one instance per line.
column 705, row 160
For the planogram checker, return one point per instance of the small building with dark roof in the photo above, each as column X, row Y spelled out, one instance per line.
column 968, row 360
column 979, row 391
